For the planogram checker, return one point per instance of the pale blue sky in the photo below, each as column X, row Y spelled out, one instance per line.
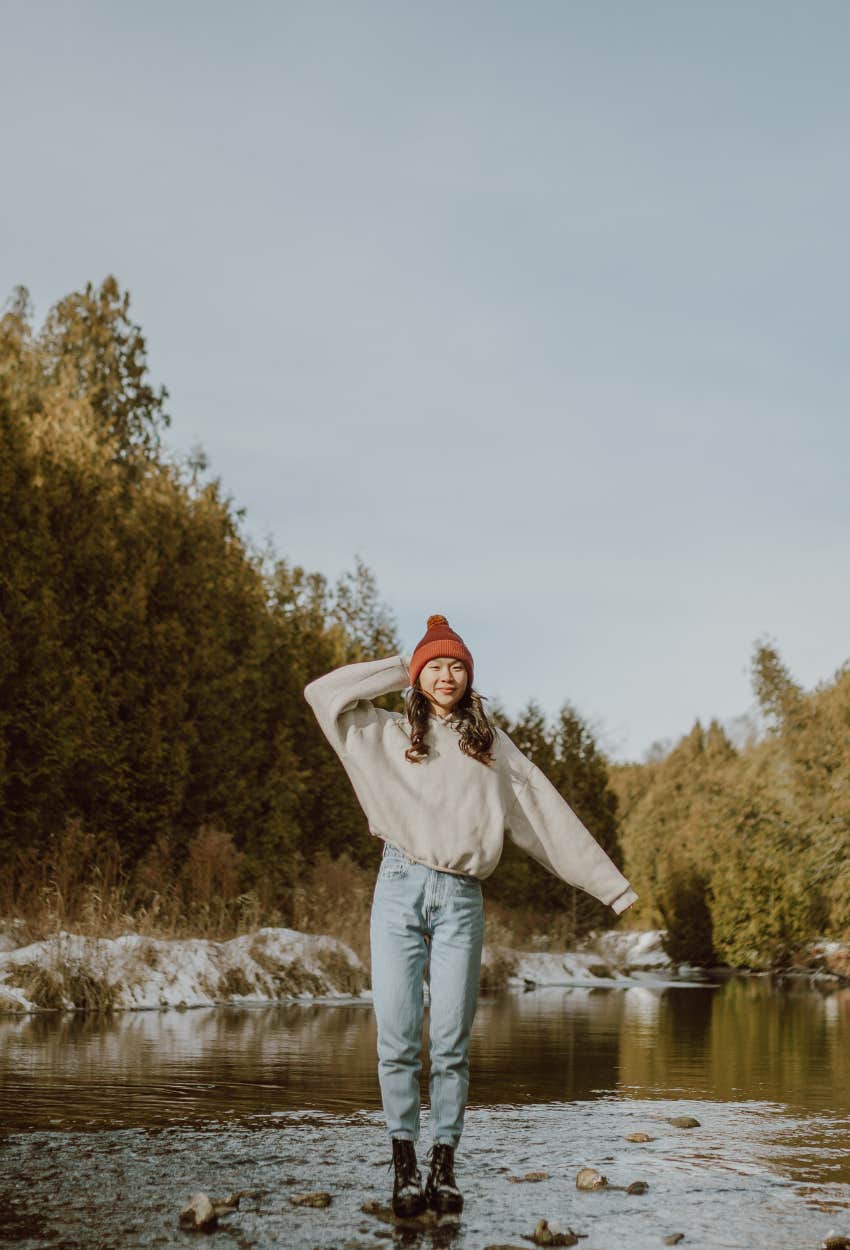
column 541, row 308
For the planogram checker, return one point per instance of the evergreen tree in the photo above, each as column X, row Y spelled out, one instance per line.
column 567, row 754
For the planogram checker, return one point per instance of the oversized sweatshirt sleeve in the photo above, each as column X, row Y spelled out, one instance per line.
column 341, row 700
column 543, row 824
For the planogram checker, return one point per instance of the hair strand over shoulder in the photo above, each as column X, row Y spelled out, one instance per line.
column 475, row 733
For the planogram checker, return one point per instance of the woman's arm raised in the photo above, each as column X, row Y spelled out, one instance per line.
column 341, row 700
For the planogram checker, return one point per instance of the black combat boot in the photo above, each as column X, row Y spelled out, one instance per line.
column 441, row 1191
column 408, row 1198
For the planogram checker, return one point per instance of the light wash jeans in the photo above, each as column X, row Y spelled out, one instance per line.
column 411, row 901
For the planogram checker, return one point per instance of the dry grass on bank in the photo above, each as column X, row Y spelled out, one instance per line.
column 80, row 886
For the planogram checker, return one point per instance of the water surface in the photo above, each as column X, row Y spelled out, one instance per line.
column 135, row 1113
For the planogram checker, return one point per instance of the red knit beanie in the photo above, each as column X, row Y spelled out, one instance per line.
column 439, row 640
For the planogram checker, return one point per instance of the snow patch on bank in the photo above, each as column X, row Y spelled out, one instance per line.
column 570, row 968
column 71, row 972
column 603, row 959
column 68, row 971
column 631, row 951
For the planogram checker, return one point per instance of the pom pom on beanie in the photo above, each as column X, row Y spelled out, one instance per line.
column 439, row 640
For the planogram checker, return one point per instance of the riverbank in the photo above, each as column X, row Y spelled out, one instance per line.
column 70, row 972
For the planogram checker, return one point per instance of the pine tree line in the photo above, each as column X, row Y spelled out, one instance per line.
column 152, row 663
column 744, row 854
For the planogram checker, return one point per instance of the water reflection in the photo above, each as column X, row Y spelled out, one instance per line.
column 740, row 1040
column 747, row 1040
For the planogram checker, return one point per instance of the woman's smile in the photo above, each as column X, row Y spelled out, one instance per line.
column 443, row 681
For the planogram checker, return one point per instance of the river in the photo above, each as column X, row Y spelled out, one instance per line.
column 109, row 1125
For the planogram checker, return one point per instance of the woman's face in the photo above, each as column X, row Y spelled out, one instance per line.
column 443, row 682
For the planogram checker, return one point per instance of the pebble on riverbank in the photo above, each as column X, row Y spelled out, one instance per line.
column 589, row 1179
column 202, row 1213
column 317, row 1198
column 546, row 1234
column 199, row 1214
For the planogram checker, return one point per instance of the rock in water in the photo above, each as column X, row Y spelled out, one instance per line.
column 836, row 1243
column 226, row 1206
column 531, row 1177
column 318, row 1198
column 684, row 1121
column 412, row 1223
column 544, row 1235
column 589, row 1178
column 674, row 1239
column 199, row 1214
column 639, row 1137
column 637, row 1187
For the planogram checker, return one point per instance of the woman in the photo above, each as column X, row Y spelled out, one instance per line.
column 441, row 787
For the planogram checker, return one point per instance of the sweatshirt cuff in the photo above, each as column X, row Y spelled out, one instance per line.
column 624, row 900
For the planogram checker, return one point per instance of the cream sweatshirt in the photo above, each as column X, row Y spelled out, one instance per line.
column 450, row 811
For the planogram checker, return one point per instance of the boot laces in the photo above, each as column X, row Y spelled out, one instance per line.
column 405, row 1166
column 442, row 1170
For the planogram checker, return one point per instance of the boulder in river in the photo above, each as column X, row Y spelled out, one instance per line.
column 589, row 1178
column 531, row 1177
column 673, row 1239
column 637, row 1187
column 836, row 1243
column 639, row 1137
column 684, row 1121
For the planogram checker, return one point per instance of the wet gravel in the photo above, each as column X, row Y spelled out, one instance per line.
column 749, row 1175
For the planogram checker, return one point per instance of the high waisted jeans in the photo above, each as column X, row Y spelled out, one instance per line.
column 411, row 901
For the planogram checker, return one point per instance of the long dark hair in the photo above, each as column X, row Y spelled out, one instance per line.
column 475, row 733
